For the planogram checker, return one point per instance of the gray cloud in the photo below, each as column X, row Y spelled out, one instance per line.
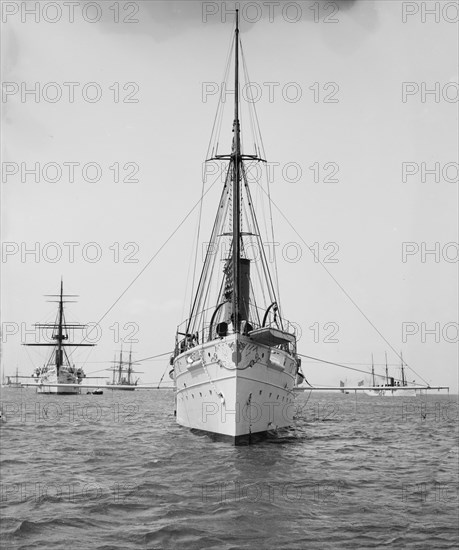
column 164, row 20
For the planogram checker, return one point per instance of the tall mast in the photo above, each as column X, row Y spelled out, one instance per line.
column 60, row 336
column 236, row 154
column 387, row 374
column 372, row 371
column 121, row 367
column 62, row 329
column 129, row 366
column 403, row 371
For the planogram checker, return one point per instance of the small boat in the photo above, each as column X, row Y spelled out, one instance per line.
column 58, row 375
column 97, row 391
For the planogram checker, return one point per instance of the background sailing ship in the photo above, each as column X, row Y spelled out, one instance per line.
column 123, row 374
column 12, row 381
column 58, row 375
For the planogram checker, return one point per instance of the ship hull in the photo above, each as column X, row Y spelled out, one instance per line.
column 49, row 381
column 234, row 388
column 399, row 392
column 393, row 392
column 43, row 388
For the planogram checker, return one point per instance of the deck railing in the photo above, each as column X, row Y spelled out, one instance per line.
column 186, row 340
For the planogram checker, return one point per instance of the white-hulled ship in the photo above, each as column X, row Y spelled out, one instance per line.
column 235, row 363
column 391, row 386
column 58, row 375
column 12, row 381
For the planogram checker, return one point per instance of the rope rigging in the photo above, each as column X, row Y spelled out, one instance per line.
column 213, row 289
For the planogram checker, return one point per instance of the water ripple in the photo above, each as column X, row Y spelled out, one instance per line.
column 116, row 472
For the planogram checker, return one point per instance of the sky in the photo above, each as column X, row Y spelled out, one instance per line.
column 364, row 172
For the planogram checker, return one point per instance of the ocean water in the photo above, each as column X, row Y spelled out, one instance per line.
column 116, row 472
